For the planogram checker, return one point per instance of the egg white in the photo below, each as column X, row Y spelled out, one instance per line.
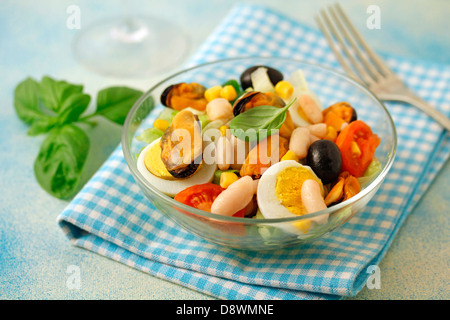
column 298, row 81
column 293, row 109
column 268, row 201
column 171, row 187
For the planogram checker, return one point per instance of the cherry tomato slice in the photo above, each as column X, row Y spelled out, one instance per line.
column 240, row 213
column 202, row 196
column 357, row 144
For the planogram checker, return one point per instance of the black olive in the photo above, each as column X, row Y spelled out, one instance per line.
column 324, row 158
column 275, row 76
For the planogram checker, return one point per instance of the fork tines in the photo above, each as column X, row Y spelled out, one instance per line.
column 367, row 65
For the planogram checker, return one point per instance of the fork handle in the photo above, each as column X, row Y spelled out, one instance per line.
column 411, row 98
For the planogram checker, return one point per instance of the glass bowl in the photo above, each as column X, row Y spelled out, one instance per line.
column 262, row 234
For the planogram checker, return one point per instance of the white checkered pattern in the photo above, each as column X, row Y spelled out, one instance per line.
column 112, row 217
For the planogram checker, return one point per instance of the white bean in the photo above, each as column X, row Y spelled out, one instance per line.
column 300, row 142
column 224, row 153
column 319, row 129
column 312, row 200
column 312, row 139
column 219, row 108
column 234, row 198
column 310, row 108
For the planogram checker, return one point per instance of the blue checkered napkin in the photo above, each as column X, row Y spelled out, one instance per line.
column 110, row 216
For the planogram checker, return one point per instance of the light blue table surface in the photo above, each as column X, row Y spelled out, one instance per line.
column 34, row 253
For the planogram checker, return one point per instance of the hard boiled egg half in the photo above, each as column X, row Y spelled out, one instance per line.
column 279, row 192
column 150, row 165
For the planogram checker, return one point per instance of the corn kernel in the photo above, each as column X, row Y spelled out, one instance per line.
column 303, row 225
column 228, row 92
column 355, row 149
column 161, row 124
column 331, row 134
column 290, row 155
column 213, row 93
column 223, row 130
column 284, row 89
column 227, row 178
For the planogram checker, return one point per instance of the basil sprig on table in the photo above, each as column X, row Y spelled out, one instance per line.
column 54, row 107
column 258, row 122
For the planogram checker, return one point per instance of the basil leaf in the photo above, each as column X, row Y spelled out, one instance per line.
column 42, row 125
column 258, row 122
column 61, row 159
column 72, row 107
column 114, row 103
column 26, row 100
column 53, row 93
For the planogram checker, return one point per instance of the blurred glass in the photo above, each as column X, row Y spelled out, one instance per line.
column 131, row 45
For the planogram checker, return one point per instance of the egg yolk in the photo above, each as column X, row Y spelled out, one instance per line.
column 154, row 164
column 289, row 186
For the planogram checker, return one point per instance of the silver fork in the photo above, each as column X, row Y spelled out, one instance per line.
column 368, row 67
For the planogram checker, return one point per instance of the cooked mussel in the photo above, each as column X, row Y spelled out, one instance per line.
column 181, row 145
column 346, row 187
column 246, row 77
column 254, row 99
column 338, row 114
column 344, row 110
column 183, row 95
column 263, row 155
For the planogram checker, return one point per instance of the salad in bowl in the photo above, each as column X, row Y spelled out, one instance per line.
column 276, row 154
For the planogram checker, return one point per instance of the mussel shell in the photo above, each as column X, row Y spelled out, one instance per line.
column 186, row 171
column 255, row 98
column 191, row 94
column 259, row 157
column 246, row 80
column 344, row 105
column 182, row 166
column 239, row 105
column 354, row 115
column 165, row 94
